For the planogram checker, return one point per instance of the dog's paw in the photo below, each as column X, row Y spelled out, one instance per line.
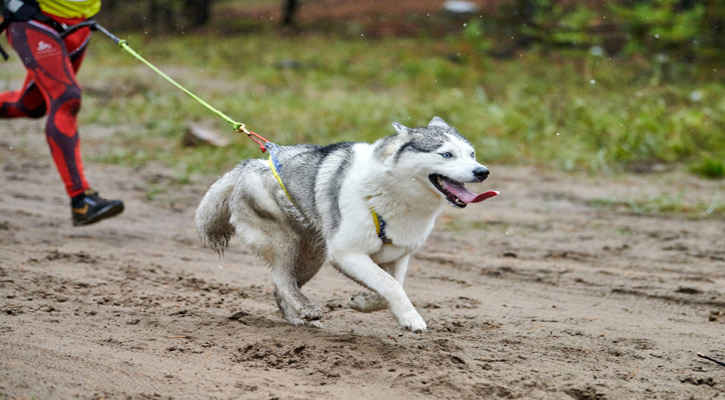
column 310, row 312
column 314, row 324
column 294, row 321
column 368, row 302
column 412, row 322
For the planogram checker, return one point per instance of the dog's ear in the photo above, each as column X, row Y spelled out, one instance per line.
column 438, row 121
column 402, row 130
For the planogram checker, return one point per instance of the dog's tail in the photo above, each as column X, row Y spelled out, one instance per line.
column 213, row 213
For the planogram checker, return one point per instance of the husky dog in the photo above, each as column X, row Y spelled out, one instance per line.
column 363, row 207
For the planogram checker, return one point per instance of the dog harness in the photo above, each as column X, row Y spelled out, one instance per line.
column 380, row 227
column 275, row 166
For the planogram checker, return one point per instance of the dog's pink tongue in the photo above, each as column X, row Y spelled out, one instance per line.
column 467, row 196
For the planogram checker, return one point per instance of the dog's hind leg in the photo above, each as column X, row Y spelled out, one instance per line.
column 294, row 259
column 287, row 311
column 292, row 269
column 262, row 219
column 310, row 256
column 281, row 249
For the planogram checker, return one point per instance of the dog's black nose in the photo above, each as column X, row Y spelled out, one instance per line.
column 481, row 173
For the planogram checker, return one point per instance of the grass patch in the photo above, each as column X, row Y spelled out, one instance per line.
column 710, row 168
column 457, row 224
column 663, row 205
column 574, row 113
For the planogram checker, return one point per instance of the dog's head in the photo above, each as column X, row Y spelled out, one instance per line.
column 445, row 158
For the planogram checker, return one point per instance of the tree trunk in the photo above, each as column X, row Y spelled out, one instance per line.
column 197, row 12
column 289, row 9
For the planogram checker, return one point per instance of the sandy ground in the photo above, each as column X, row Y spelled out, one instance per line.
column 534, row 294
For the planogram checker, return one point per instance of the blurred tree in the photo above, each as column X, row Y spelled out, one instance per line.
column 197, row 12
column 161, row 15
column 662, row 30
column 713, row 26
column 289, row 10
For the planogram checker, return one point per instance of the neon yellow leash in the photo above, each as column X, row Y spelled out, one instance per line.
column 238, row 126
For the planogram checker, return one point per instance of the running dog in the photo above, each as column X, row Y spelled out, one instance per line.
column 363, row 207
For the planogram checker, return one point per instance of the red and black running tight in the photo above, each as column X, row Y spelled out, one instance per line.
column 51, row 89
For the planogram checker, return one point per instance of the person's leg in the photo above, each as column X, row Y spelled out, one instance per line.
column 27, row 102
column 52, row 70
column 47, row 61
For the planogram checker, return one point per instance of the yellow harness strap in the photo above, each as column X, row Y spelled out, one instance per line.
column 380, row 227
column 279, row 180
column 376, row 219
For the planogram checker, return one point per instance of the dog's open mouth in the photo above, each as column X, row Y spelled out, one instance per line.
column 456, row 192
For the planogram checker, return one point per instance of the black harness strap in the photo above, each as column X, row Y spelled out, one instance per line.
column 3, row 26
column 26, row 10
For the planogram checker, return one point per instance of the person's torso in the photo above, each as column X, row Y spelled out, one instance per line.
column 70, row 9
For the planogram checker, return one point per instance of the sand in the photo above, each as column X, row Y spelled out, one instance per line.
column 539, row 293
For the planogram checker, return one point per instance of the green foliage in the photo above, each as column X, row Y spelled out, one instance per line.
column 665, row 31
column 474, row 35
column 554, row 25
column 664, row 204
column 661, row 27
column 574, row 27
column 571, row 110
column 710, row 168
column 595, row 114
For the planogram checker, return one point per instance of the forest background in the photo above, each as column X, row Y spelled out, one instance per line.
column 596, row 86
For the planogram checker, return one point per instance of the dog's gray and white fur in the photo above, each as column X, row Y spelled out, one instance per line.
column 333, row 189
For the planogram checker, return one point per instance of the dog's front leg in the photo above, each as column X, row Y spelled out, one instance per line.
column 363, row 270
column 400, row 268
column 371, row 302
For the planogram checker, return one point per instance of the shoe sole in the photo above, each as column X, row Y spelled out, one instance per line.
column 107, row 212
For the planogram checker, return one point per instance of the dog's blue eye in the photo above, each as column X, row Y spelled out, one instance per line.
column 473, row 155
column 446, row 155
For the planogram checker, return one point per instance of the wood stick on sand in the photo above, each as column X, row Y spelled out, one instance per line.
column 711, row 359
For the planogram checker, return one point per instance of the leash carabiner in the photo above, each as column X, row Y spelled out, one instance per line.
column 257, row 138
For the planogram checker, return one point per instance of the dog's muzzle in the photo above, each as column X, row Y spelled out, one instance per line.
column 456, row 192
